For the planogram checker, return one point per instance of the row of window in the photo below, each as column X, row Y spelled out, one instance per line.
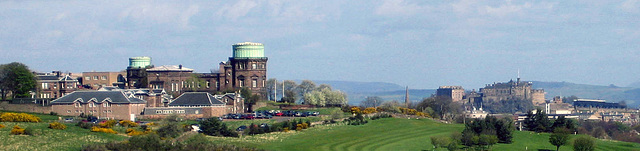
column 91, row 111
column 171, row 111
column 253, row 66
column 95, row 78
column 105, row 104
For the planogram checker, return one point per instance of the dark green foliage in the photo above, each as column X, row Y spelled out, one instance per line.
column 486, row 132
column 85, row 125
column 559, row 137
column 249, row 98
column 171, row 128
column 440, row 141
column 289, row 96
column 16, row 79
column 214, row 127
column 30, row 131
column 153, row 142
column 584, row 143
column 379, row 116
column 356, row 120
column 538, row 122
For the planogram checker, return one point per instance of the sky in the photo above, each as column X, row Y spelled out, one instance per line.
column 420, row 44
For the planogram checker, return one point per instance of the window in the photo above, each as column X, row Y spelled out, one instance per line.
column 158, row 111
column 241, row 83
column 217, row 84
column 45, row 85
column 254, row 83
column 106, row 104
column 95, row 77
column 68, row 111
column 76, row 105
column 254, row 66
column 180, row 111
column 103, row 78
column 87, row 78
column 208, row 84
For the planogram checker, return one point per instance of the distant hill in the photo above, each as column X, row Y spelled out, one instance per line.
column 610, row 93
column 360, row 87
column 358, row 91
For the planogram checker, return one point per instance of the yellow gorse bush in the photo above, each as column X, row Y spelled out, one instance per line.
column 17, row 130
column 128, row 123
column 2, row 126
column 104, row 130
column 56, row 125
column 369, row 110
column 19, row 117
column 355, row 110
column 108, row 124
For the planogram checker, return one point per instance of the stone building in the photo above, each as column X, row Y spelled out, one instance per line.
column 102, row 104
column 96, row 80
column 456, row 93
column 247, row 68
column 513, row 90
column 199, row 105
column 55, row 84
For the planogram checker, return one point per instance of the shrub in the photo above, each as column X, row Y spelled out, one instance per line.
column 53, row 113
column 151, row 124
column 134, row 132
column 2, row 126
column 19, row 117
column 369, row 110
column 17, row 130
column 30, row 131
column 584, row 143
column 85, row 125
column 355, row 110
column 104, row 130
column 56, row 125
column 128, row 123
column 213, row 127
column 108, row 124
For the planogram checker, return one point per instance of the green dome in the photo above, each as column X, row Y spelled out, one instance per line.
column 248, row 50
column 139, row 62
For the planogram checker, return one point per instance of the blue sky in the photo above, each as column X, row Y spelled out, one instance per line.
column 422, row 44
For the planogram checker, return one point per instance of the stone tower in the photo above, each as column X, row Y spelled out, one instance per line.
column 249, row 67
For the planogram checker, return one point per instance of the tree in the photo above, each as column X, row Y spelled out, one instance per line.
column 249, row 98
column 316, row 98
column 306, row 86
column 441, row 105
column 559, row 137
column 504, row 130
column 529, row 121
column 214, row 127
column 271, row 88
column 440, row 141
column 372, row 101
column 17, row 79
column 542, row 121
column 584, row 143
column 334, row 98
column 289, row 96
column 569, row 99
column 170, row 129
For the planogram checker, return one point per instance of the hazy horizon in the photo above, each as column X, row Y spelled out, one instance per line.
column 420, row 44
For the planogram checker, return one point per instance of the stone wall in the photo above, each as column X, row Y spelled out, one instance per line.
column 34, row 108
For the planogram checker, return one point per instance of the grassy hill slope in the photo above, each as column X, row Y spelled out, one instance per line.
column 392, row 134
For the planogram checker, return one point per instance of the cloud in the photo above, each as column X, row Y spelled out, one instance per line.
column 398, row 8
column 237, row 10
column 166, row 13
column 630, row 6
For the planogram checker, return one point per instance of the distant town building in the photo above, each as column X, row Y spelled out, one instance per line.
column 456, row 93
column 137, row 72
column 513, row 90
column 200, row 105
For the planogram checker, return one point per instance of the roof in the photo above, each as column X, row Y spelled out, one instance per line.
column 170, row 68
column 47, row 77
column 97, row 96
column 195, row 98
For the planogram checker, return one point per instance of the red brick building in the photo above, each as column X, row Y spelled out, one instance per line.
column 102, row 104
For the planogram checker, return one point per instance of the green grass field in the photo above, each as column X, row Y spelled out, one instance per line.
column 393, row 134
column 71, row 138
column 382, row 134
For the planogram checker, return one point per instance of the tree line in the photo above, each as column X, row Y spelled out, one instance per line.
column 16, row 80
column 307, row 92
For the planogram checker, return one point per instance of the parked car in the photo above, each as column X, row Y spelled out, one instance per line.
column 260, row 115
column 68, row 120
column 249, row 116
column 279, row 114
column 241, row 128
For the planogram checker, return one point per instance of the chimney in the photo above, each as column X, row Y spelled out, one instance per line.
column 179, row 66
